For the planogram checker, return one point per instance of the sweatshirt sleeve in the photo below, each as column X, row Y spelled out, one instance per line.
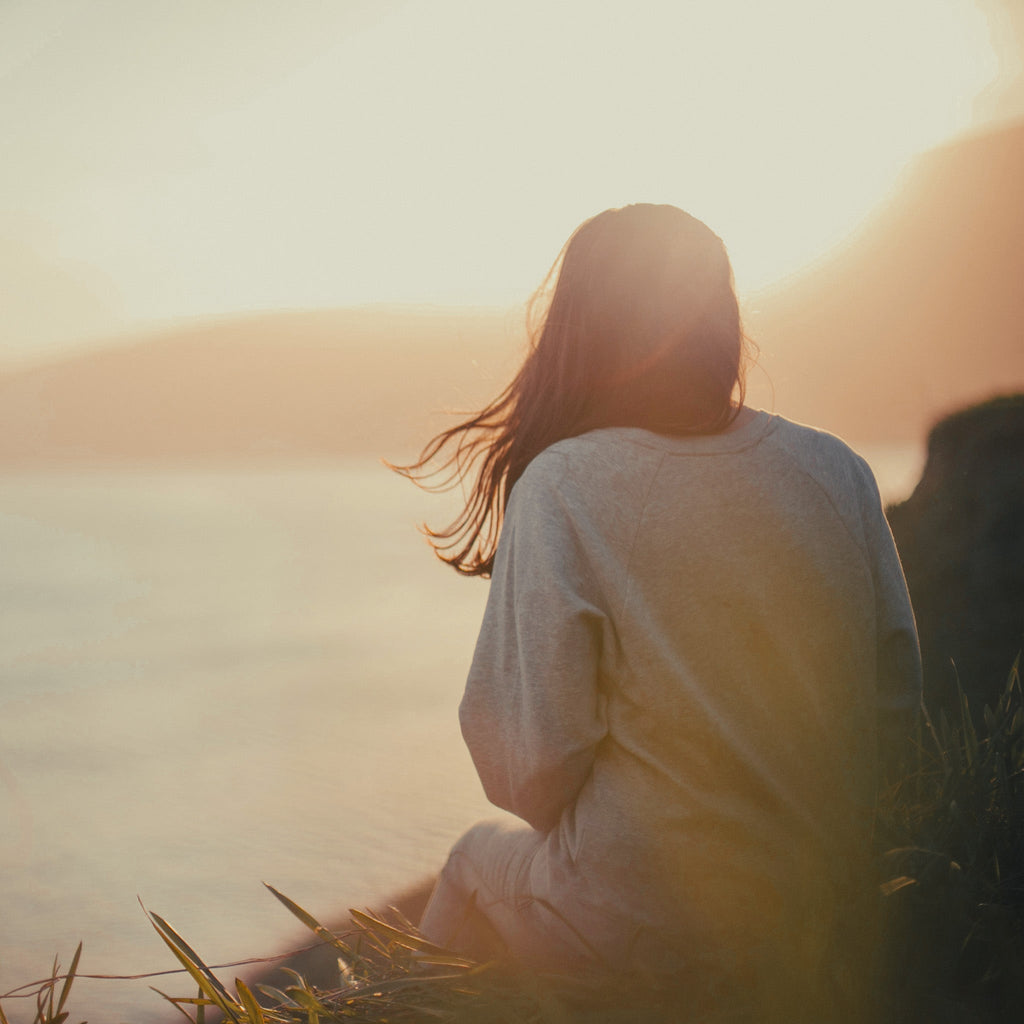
column 898, row 675
column 532, row 715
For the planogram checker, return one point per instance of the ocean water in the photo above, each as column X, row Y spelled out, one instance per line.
column 209, row 679
column 213, row 678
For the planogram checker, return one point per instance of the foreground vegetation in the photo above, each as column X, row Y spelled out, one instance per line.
column 952, row 862
column 949, row 945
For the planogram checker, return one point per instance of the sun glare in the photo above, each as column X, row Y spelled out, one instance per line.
column 782, row 125
column 442, row 152
column 463, row 172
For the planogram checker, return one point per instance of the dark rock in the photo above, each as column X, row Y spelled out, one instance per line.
column 961, row 540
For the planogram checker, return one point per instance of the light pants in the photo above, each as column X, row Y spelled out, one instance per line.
column 483, row 906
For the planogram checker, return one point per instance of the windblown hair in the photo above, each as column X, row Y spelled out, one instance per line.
column 636, row 324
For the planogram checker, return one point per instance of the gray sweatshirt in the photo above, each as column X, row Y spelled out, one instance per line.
column 686, row 647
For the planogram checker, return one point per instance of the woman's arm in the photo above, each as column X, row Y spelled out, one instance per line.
column 898, row 673
column 532, row 714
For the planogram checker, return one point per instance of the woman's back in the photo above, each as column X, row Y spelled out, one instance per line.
column 695, row 613
column 729, row 593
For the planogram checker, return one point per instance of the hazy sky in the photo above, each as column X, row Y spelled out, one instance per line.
column 205, row 156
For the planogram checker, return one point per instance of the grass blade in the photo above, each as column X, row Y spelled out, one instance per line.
column 193, row 963
column 176, row 1000
column 380, row 928
column 274, row 993
column 252, row 1008
column 310, row 922
column 66, row 989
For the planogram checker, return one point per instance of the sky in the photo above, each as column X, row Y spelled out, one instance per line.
column 216, row 156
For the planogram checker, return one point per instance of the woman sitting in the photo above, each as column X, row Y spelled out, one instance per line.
column 696, row 616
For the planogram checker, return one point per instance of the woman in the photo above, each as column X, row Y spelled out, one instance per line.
column 696, row 611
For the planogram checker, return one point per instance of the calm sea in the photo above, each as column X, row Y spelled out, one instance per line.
column 213, row 678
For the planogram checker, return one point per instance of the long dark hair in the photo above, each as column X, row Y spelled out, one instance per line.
column 636, row 324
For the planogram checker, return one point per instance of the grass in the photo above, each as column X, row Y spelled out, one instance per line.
column 950, row 895
column 953, row 840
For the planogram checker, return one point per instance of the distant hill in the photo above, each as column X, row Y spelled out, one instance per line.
column 920, row 313
column 372, row 380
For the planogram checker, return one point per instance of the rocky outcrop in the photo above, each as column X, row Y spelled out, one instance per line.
column 961, row 539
